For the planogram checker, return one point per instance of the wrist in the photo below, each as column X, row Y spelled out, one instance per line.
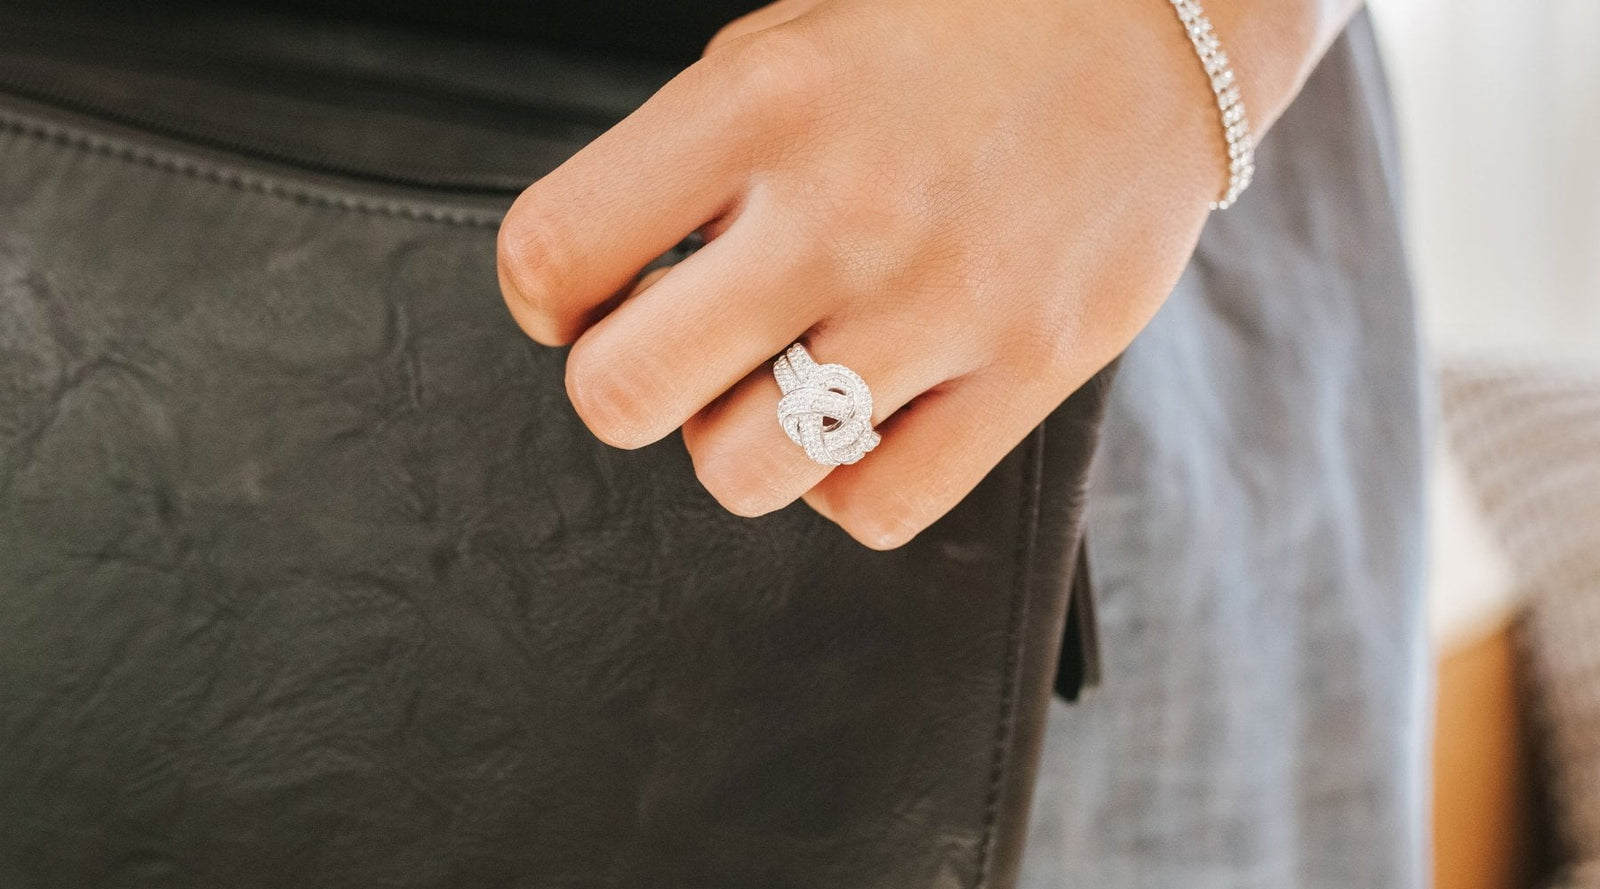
column 1274, row 45
column 1254, row 55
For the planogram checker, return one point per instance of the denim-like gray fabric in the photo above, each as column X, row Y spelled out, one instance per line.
column 1255, row 524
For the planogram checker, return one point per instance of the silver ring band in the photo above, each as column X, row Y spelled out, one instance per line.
column 826, row 408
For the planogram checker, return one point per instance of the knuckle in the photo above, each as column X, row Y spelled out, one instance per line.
column 619, row 407
column 869, row 237
column 1043, row 340
column 725, row 35
column 778, row 71
column 745, row 484
column 534, row 259
column 884, row 526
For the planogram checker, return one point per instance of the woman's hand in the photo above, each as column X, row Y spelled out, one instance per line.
column 974, row 204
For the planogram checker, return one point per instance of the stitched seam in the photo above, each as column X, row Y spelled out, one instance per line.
column 1000, row 758
column 240, row 180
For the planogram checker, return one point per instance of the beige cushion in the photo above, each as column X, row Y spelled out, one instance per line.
column 1528, row 436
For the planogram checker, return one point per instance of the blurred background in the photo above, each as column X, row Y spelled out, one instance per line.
column 1499, row 107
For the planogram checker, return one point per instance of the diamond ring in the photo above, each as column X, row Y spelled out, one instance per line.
column 826, row 408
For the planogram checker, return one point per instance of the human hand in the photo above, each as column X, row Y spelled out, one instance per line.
column 974, row 204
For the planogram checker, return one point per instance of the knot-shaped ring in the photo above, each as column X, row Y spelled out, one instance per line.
column 826, row 408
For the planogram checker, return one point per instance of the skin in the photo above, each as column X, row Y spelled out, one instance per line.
column 974, row 204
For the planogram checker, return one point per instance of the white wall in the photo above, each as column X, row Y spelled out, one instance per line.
column 1499, row 104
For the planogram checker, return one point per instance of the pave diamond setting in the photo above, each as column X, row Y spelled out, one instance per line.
column 826, row 408
column 1235, row 126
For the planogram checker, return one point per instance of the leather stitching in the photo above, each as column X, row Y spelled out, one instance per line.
column 1016, row 624
column 239, row 179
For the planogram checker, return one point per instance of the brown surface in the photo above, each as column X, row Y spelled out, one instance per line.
column 1483, row 822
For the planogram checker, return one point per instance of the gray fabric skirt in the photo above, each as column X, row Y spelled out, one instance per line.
column 1255, row 524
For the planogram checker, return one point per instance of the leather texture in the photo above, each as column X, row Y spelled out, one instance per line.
column 310, row 577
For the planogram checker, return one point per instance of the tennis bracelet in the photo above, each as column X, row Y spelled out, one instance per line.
column 1235, row 127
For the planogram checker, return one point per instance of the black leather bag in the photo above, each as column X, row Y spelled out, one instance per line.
column 310, row 577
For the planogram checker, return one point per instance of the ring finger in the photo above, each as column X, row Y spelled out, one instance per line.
column 742, row 454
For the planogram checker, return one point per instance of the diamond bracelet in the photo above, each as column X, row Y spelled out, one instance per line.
column 1235, row 127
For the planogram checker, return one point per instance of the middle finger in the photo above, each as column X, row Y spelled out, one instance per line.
column 670, row 349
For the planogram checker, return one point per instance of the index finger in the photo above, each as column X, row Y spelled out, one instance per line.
column 578, row 236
